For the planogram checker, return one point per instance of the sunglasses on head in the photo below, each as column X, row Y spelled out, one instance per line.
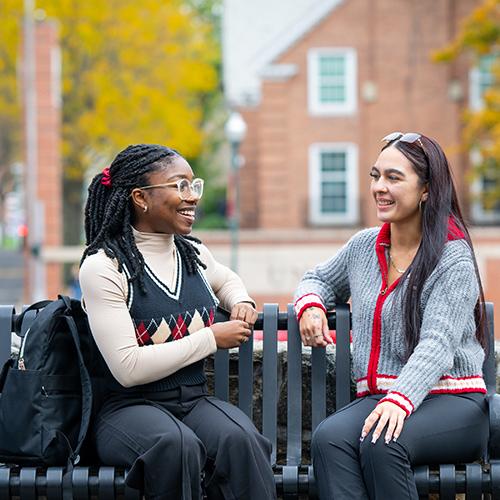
column 409, row 137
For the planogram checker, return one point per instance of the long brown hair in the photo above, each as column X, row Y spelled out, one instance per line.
column 431, row 165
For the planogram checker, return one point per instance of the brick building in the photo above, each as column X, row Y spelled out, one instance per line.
column 319, row 84
column 43, row 278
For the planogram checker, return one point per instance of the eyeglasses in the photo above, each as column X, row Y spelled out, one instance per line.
column 409, row 137
column 185, row 189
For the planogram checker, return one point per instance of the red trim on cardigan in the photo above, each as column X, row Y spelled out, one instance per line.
column 436, row 391
column 307, row 306
column 382, row 375
column 449, row 377
column 314, row 303
column 457, row 391
column 383, row 239
column 393, row 401
column 406, row 398
column 444, row 377
column 306, row 295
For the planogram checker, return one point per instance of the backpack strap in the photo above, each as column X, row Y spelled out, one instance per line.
column 74, row 458
column 85, row 382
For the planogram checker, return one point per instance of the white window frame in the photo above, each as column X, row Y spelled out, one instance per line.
column 349, row 106
column 478, row 213
column 316, row 216
column 476, row 102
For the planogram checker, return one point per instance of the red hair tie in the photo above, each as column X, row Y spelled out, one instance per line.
column 106, row 177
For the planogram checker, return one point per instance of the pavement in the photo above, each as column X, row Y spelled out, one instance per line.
column 11, row 277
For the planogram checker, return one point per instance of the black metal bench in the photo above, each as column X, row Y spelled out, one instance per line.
column 293, row 473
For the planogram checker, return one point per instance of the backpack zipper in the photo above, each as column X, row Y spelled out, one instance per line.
column 20, row 364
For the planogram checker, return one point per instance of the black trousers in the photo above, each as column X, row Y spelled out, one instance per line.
column 444, row 429
column 184, row 444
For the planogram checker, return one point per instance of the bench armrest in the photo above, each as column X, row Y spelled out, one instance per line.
column 494, row 441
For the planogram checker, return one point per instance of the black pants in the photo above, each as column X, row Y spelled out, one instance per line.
column 182, row 444
column 444, row 429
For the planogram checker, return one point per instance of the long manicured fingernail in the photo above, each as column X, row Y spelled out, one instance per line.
column 395, row 438
column 387, row 440
column 363, row 435
column 374, row 438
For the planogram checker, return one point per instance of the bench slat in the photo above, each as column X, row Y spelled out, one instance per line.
column 106, row 477
column 447, row 486
column 294, row 392
column 80, row 480
column 54, row 479
column 495, row 478
column 270, row 376
column 4, row 482
column 421, row 474
column 27, row 483
column 221, row 377
column 342, row 357
column 6, row 313
column 318, row 386
column 312, row 490
column 290, row 481
column 245, row 377
column 473, row 481
column 489, row 369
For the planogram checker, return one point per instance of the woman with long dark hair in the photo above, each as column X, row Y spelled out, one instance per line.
column 150, row 291
column 418, row 329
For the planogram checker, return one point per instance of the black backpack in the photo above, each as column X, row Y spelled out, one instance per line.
column 46, row 392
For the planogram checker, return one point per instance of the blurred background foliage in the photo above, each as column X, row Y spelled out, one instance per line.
column 480, row 38
column 132, row 72
column 10, row 109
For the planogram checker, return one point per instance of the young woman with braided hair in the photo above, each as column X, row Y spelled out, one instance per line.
column 417, row 327
column 150, row 291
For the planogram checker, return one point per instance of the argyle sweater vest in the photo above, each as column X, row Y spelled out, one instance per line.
column 167, row 315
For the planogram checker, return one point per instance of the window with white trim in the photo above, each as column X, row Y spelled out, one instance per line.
column 480, row 79
column 333, row 184
column 332, row 81
column 484, row 208
column 485, row 204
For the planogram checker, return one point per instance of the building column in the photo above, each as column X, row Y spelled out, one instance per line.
column 44, row 213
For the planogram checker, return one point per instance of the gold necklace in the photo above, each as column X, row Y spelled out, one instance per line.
column 391, row 260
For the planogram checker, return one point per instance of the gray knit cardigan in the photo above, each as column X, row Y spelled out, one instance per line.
column 447, row 359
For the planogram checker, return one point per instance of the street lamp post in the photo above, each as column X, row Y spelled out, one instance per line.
column 235, row 132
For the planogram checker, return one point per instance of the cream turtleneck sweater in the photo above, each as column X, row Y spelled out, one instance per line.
column 105, row 297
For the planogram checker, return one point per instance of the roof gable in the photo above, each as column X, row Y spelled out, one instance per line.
column 256, row 33
column 297, row 30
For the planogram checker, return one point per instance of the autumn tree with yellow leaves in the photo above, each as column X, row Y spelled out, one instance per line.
column 10, row 109
column 480, row 37
column 132, row 72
